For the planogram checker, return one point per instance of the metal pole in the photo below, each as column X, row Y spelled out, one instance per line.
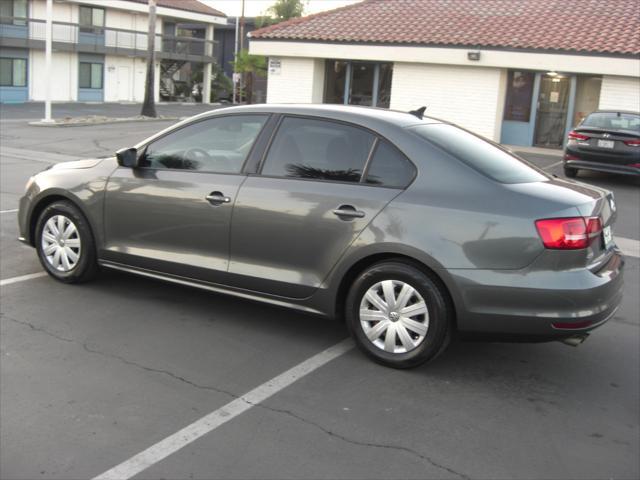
column 48, row 49
column 235, row 56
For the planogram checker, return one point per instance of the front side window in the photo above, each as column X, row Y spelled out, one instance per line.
column 90, row 75
column 13, row 72
column 318, row 149
column 479, row 154
column 389, row 167
column 218, row 145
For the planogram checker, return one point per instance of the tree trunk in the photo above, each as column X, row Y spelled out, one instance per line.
column 149, row 105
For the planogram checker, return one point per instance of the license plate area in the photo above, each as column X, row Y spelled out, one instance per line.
column 606, row 143
column 607, row 237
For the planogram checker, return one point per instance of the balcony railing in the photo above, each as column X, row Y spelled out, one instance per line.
column 106, row 39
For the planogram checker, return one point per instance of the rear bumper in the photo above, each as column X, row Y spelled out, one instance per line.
column 602, row 167
column 540, row 305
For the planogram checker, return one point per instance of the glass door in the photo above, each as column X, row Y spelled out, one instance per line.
column 551, row 117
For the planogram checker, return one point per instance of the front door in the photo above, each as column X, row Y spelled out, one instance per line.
column 551, row 116
column 292, row 222
column 173, row 213
column 124, row 89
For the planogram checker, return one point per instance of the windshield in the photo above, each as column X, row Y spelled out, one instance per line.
column 612, row 121
column 479, row 154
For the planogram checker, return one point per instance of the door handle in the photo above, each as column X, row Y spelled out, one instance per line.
column 217, row 198
column 348, row 211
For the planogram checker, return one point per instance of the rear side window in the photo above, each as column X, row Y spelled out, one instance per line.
column 479, row 154
column 389, row 167
column 612, row 121
column 318, row 149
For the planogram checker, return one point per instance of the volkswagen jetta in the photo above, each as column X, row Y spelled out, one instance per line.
column 409, row 227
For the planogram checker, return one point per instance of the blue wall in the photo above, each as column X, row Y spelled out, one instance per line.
column 15, row 94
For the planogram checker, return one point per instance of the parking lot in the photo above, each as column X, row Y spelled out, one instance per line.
column 94, row 374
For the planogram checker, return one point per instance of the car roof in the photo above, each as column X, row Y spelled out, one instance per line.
column 350, row 113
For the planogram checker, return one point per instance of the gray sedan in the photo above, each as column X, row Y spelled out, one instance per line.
column 409, row 228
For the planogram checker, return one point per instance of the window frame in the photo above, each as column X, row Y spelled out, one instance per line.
column 15, row 20
column 11, row 70
column 142, row 150
column 365, row 169
column 375, row 88
column 92, row 28
column 91, row 75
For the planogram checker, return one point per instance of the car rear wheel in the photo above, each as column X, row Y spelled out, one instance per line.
column 65, row 243
column 398, row 315
column 570, row 172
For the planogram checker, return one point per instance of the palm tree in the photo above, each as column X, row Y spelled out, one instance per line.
column 250, row 65
column 149, row 105
column 282, row 10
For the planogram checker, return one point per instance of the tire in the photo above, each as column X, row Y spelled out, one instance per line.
column 570, row 172
column 389, row 278
column 76, row 244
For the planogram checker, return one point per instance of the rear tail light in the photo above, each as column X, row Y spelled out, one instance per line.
column 573, row 135
column 568, row 233
column 635, row 142
column 568, row 156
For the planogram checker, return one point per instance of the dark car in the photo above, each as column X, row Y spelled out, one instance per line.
column 408, row 227
column 605, row 141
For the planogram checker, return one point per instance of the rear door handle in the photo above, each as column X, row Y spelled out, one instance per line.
column 348, row 211
column 217, row 198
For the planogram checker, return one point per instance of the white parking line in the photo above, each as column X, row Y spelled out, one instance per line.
column 23, row 278
column 552, row 165
column 9, row 211
column 210, row 422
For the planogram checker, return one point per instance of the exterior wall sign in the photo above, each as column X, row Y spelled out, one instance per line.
column 275, row 66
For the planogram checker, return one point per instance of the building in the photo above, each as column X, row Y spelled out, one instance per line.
column 520, row 72
column 99, row 50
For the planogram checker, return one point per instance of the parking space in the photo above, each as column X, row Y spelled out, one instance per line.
column 93, row 374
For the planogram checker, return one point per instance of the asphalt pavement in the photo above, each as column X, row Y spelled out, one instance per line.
column 94, row 374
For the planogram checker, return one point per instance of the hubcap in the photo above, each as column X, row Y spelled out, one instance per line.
column 61, row 243
column 394, row 316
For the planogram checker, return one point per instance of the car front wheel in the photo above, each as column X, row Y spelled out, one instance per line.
column 398, row 315
column 65, row 243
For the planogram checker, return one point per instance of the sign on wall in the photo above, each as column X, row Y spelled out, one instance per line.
column 275, row 66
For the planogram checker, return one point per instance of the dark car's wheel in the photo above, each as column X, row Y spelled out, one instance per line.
column 570, row 172
column 65, row 243
column 397, row 315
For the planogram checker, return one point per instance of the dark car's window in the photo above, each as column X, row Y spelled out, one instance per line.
column 308, row 148
column 479, row 154
column 612, row 121
column 215, row 145
column 389, row 167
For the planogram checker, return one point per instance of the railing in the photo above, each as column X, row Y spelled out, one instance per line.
column 99, row 38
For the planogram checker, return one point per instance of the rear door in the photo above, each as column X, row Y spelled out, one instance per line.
column 173, row 213
column 295, row 218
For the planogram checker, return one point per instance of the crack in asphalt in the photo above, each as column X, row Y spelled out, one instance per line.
column 235, row 396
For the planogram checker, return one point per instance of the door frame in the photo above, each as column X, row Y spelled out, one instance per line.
column 573, row 81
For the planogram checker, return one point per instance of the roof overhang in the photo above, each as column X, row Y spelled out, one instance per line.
column 600, row 64
column 160, row 11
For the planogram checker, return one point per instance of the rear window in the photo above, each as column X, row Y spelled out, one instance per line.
column 612, row 120
column 479, row 154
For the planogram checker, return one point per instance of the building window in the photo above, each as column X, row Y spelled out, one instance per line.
column 13, row 12
column 90, row 75
column 91, row 19
column 13, row 72
column 519, row 93
column 358, row 83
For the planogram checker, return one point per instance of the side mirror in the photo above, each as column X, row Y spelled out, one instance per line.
column 127, row 157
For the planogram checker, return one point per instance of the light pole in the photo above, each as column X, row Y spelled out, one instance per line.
column 47, row 60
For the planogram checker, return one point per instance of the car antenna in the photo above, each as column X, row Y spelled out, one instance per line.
column 419, row 112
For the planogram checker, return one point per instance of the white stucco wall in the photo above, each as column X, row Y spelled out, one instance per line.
column 64, row 78
column 620, row 93
column 300, row 80
column 471, row 97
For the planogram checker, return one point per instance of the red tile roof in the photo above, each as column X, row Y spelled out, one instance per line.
column 188, row 5
column 595, row 26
